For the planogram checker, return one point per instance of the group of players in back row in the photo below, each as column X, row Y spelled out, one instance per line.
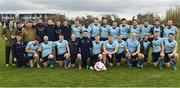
column 95, row 42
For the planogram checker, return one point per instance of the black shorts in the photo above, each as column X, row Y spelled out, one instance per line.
column 155, row 56
column 73, row 57
column 95, row 58
column 30, row 58
column 85, row 54
column 61, row 57
column 45, row 59
column 119, row 56
column 110, row 60
column 166, row 57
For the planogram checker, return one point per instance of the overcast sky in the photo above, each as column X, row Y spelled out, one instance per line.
column 126, row 8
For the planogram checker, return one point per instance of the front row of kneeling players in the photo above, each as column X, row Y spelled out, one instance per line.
column 164, row 51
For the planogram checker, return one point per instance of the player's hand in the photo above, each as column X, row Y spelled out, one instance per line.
column 151, row 36
column 162, row 53
column 110, row 55
column 69, row 54
column 171, row 55
column 34, row 52
column 15, row 59
column 133, row 54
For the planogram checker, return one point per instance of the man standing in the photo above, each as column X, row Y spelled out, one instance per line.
column 40, row 29
column 95, row 28
column 29, row 33
column 170, row 29
column 9, row 33
column 66, row 30
column 104, row 30
column 157, row 27
column 124, row 29
column 85, row 46
column 50, row 30
column 77, row 29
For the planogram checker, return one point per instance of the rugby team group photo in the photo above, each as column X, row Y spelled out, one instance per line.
column 98, row 45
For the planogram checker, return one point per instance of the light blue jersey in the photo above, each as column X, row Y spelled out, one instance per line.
column 156, row 45
column 168, row 30
column 77, row 30
column 114, row 32
column 136, row 30
column 124, row 29
column 95, row 29
column 169, row 46
column 145, row 30
column 132, row 45
column 32, row 47
column 61, row 46
column 97, row 47
column 104, row 31
column 110, row 46
column 46, row 49
column 121, row 46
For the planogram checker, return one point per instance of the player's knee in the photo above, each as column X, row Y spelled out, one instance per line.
column 50, row 56
column 162, row 56
column 104, row 53
column 36, row 56
column 140, row 56
column 79, row 56
column 176, row 55
column 67, row 56
column 100, row 56
column 128, row 56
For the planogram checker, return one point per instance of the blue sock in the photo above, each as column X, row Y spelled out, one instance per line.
column 142, row 62
column 66, row 61
column 160, row 62
column 128, row 62
column 51, row 62
column 79, row 61
column 138, row 62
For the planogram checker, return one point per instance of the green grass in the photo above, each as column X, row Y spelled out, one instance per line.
column 114, row 76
